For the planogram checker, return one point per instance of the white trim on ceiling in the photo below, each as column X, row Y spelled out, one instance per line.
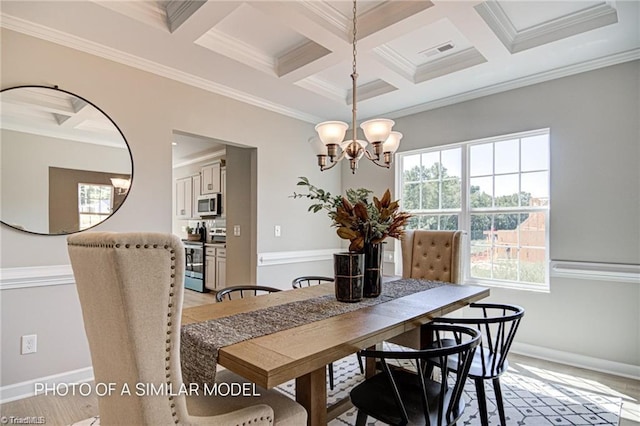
column 323, row 88
column 65, row 39
column 516, row 41
column 209, row 156
column 238, row 50
column 606, row 61
column 59, row 37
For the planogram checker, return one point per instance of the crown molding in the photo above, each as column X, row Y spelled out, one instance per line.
column 238, row 50
column 515, row 41
column 398, row 63
column 65, row 39
column 329, row 15
column 323, row 88
column 594, row 64
column 449, row 64
column 178, row 11
column 150, row 13
column 370, row 90
column 300, row 56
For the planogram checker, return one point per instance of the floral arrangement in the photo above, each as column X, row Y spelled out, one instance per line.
column 356, row 218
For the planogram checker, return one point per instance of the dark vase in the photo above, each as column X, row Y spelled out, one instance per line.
column 349, row 274
column 372, row 285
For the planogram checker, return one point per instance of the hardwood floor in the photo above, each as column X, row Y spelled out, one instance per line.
column 59, row 410
column 193, row 298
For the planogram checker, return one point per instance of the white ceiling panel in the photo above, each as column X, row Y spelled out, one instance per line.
column 294, row 56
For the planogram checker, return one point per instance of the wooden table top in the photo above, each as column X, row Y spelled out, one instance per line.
column 276, row 358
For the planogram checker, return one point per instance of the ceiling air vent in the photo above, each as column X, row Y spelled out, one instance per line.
column 436, row 50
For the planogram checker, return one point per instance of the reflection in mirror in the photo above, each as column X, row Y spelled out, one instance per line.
column 65, row 165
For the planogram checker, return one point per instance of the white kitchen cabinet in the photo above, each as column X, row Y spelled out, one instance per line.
column 223, row 189
column 221, row 268
column 210, row 178
column 195, row 188
column 184, row 198
column 216, row 268
column 210, row 269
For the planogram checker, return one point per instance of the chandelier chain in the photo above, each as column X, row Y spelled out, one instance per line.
column 354, row 37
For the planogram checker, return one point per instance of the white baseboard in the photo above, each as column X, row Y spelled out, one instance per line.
column 577, row 360
column 27, row 389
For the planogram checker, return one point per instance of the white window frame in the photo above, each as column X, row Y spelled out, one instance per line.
column 102, row 215
column 464, row 222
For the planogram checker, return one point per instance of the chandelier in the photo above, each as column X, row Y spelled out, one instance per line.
column 330, row 144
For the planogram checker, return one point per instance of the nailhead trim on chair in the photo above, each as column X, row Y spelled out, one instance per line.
column 167, row 359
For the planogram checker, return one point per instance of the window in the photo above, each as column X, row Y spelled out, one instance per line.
column 95, row 203
column 497, row 190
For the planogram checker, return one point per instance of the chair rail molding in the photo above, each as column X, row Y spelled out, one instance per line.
column 298, row 256
column 612, row 272
column 35, row 276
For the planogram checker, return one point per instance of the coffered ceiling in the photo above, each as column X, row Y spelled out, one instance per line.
column 294, row 57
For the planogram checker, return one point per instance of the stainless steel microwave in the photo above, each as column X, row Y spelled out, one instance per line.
column 210, row 205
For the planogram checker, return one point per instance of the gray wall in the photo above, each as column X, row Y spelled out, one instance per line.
column 147, row 108
column 595, row 198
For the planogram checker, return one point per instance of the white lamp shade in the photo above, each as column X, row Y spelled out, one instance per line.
column 332, row 132
column 377, row 130
column 317, row 146
column 392, row 143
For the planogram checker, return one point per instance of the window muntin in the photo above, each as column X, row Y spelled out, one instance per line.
column 95, row 203
column 504, row 210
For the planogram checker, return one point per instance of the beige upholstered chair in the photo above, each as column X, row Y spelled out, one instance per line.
column 432, row 255
column 429, row 255
column 131, row 287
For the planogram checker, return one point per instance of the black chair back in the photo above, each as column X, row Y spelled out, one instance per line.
column 400, row 397
column 310, row 280
column 239, row 291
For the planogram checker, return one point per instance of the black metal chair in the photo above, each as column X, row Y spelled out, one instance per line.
column 308, row 281
column 498, row 325
column 397, row 396
column 240, row 290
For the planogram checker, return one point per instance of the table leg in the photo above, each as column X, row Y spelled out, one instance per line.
column 311, row 393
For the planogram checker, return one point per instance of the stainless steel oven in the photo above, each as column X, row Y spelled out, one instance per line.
column 194, row 266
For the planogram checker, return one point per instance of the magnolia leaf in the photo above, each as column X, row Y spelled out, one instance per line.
column 360, row 211
column 386, row 198
column 346, row 233
column 357, row 244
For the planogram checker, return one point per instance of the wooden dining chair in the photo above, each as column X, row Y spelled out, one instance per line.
column 239, row 291
column 397, row 396
column 130, row 287
column 308, row 281
column 498, row 324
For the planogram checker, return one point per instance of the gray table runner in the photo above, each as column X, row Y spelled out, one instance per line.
column 201, row 341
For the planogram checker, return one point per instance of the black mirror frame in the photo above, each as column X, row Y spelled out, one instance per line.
column 31, row 86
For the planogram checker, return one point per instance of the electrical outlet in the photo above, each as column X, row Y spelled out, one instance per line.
column 29, row 344
column 277, row 231
column 236, row 230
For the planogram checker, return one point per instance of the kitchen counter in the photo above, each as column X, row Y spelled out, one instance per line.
column 216, row 245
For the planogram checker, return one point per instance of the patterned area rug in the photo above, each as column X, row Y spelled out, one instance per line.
column 529, row 401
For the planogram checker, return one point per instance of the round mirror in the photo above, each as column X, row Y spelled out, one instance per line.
column 65, row 164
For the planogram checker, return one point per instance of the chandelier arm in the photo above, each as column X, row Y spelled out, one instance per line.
column 334, row 162
column 374, row 161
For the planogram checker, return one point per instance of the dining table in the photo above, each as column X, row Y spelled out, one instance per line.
column 302, row 352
